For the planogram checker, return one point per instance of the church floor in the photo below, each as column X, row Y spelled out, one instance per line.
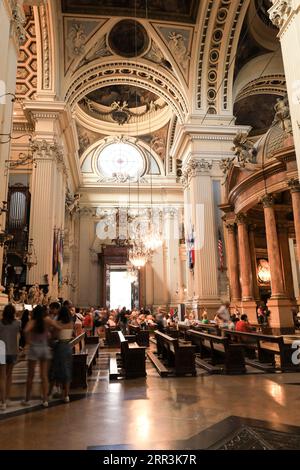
column 156, row 413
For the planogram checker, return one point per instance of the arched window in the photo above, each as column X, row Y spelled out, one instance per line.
column 121, row 159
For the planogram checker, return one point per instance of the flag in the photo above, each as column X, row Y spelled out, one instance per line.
column 191, row 250
column 55, row 253
column 221, row 252
column 60, row 259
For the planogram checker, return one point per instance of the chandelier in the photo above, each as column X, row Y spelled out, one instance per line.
column 138, row 255
column 132, row 273
column 30, row 258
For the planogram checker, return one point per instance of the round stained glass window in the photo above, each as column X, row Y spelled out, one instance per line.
column 120, row 159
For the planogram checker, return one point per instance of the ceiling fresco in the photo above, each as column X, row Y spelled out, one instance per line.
column 183, row 11
column 134, row 96
column 256, row 111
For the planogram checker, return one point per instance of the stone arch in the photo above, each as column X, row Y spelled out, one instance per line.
column 48, row 81
column 125, row 72
column 216, row 56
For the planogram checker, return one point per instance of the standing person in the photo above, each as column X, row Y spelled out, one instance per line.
column 9, row 330
column 37, row 332
column 54, row 310
column 24, row 320
column 222, row 317
column 97, row 322
column 88, row 323
column 122, row 320
column 62, row 360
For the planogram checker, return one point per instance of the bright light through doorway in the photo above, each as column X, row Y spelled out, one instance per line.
column 120, row 290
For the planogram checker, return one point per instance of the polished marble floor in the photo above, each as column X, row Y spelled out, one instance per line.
column 151, row 413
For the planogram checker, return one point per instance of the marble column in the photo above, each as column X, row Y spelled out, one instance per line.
column 188, row 296
column 12, row 35
column 248, row 303
column 45, row 213
column 277, row 285
column 149, row 283
column 171, row 235
column 285, row 14
column 205, row 281
column 280, row 306
column 233, row 264
column 245, row 258
column 253, row 261
column 283, row 238
column 295, row 193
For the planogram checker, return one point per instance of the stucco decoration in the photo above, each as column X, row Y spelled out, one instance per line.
column 179, row 42
column 77, row 33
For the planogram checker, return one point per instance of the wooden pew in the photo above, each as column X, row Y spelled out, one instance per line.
column 267, row 347
column 217, row 354
column 177, row 356
column 92, row 345
column 79, row 364
column 83, row 360
column 133, row 359
column 111, row 336
column 142, row 336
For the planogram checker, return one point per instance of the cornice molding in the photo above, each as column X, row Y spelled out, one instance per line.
column 283, row 12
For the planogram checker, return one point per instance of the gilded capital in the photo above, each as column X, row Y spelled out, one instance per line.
column 294, row 185
column 230, row 226
column 267, row 200
column 241, row 219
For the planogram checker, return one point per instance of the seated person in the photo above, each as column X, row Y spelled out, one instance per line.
column 205, row 317
column 243, row 325
column 142, row 322
column 111, row 322
column 150, row 320
column 186, row 320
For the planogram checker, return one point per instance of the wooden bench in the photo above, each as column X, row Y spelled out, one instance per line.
column 133, row 359
column 217, row 354
column 79, row 363
column 142, row 336
column 172, row 355
column 111, row 336
column 83, row 360
column 267, row 347
column 92, row 345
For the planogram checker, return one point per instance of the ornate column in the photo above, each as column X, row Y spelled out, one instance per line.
column 248, row 304
column 285, row 14
column 12, row 35
column 202, row 223
column 171, row 226
column 233, row 264
column 283, row 238
column 277, row 285
column 188, row 298
column 46, row 212
column 245, row 258
column 279, row 305
column 253, row 261
column 295, row 193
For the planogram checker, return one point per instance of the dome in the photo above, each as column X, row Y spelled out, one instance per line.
column 275, row 139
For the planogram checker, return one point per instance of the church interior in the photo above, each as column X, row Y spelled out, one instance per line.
column 149, row 224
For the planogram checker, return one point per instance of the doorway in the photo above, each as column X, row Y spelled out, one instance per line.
column 120, row 290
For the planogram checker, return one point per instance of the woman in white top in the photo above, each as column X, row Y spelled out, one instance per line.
column 62, row 359
column 9, row 330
